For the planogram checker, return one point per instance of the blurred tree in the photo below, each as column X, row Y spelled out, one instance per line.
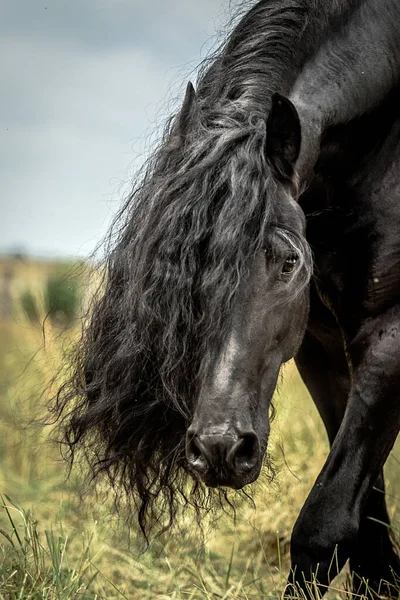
column 62, row 296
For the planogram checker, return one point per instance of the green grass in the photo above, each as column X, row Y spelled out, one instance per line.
column 53, row 546
column 37, row 564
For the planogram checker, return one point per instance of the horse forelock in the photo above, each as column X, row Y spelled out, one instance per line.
column 191, row 230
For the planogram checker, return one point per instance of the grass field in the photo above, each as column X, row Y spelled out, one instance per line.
column 53, row 546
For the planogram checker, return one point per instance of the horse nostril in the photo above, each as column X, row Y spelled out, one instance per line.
column 222, row 456
column 195, row 448
column 245, row 453
column 195, row 453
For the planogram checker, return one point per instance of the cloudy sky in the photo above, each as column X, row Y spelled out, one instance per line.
column 84, row 85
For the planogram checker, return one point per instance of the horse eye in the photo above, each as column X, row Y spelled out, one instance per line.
column 289, row 265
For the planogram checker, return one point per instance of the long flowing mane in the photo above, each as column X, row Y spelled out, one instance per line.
column 183, row 244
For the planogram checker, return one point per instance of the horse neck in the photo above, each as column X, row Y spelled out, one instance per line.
column 268, row 48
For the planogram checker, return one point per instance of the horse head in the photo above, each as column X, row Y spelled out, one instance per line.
column 227, row 437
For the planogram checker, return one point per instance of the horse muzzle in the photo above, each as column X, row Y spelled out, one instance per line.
column 224, row 458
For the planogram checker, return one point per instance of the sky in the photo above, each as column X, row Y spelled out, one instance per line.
column 85, row 86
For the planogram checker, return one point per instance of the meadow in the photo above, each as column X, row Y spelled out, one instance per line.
column 54, row 545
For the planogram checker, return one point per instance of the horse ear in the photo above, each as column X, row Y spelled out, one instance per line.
column 283, row 137
column 186, row 115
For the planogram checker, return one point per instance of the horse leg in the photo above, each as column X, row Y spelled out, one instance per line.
column 327, row 379
column 374, row 563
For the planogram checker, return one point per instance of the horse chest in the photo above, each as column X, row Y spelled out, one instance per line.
column 357, row 258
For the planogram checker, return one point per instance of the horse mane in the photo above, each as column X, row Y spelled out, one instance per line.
column 181, row 247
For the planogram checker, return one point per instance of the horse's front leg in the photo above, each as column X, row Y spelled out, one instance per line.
column 326, row 531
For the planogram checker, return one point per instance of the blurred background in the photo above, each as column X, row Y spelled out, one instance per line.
column 86, row 87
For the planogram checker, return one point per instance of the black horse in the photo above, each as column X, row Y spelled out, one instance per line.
column 264, row 228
